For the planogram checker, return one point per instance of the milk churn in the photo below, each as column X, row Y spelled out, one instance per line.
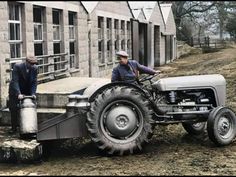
column 28, row 116
column 82, row 105
column 70, row 106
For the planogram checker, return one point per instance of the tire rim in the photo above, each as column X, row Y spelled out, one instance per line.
column 121, row 121
column 225, row 127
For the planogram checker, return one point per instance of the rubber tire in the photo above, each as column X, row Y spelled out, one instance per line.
column 93, row 120
column 193, row 130
column 212, row 122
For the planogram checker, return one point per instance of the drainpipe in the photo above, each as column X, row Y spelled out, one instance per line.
column 89, row 46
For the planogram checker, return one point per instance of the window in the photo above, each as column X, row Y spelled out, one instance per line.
column 129, row 38
column 116, row 45
column 109, row 28
column 14, row 27
column 72, row 39
column 71, row 25
column 122, row 27
column 129, row 47
column 116, row 41
column 38, row 49
column 56, row 32
column 109, row 51
column 15, row 50
column 100, row 28
column 128, row 30
column 38, row 38
column 58, row 60
column 56, row 25
column 38, row 24
column 116, row 23
column 72, row 54
column 116, row 26
column 123, row 44
column 100, row 51
column 56, row 48
column 100, row 40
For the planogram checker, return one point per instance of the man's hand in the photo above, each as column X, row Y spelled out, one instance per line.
column 34, row 97
column 20, row 96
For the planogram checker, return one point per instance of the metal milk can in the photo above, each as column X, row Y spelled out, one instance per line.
column 28, row 116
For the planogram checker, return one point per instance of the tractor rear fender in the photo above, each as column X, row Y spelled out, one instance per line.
column 109, row 85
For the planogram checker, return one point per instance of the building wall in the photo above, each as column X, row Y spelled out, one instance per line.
column 162, row 49
column 27, row 32
column 87, row 50
column 157, row 19
column 4, row 52
column 83, row 42
column 107, row 9
column 170, row 24
column 171, row 29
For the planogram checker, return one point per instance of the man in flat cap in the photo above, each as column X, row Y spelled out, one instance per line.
column 24, row 82
column 128, row 70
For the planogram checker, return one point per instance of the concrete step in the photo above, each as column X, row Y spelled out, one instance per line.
column 15, row 150
column 42, row 115
column 54, row 94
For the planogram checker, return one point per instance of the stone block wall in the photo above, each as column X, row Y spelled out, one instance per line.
column 27, row 36
column 4, row 52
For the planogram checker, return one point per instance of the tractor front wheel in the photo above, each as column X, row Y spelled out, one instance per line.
column 221, row 126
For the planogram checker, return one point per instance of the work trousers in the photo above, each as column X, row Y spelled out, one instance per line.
column 14, row 110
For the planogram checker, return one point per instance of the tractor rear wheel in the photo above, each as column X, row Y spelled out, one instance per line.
column 120, row 120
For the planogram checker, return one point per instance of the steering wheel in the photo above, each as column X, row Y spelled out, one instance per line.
column 148, row 77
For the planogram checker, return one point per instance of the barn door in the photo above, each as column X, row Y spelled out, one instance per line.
column 167, row 48
column 171, row 47
column 148, row 57
column 156, row 45
column 135, row 39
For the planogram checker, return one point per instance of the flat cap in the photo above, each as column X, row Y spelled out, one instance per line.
column 122, row 53
column 31, row 59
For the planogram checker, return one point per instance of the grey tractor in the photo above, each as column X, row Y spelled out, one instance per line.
column 122, row 116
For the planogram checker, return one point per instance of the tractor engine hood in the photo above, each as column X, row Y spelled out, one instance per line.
column 216, row 82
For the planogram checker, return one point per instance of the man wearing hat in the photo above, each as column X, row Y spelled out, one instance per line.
column 127, row 70
column 24, row 82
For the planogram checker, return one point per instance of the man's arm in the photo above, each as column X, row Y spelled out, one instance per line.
column 115, row 75
column 144, row 69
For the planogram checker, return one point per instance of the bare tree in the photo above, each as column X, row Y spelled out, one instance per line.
column 188, row 10
column 223, row 10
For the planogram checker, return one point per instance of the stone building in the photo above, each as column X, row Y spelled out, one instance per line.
column 170, row 33
column 80, row 38
column 139, row 35
column 56, row 32
column 109, row 31
column 150, row 26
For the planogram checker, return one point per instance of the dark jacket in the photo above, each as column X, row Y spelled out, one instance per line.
column 23, row 82
column 129, row 73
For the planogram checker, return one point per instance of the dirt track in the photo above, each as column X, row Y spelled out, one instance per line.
column 171, row 151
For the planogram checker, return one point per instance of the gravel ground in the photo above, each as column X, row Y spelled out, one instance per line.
column 171, row 151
